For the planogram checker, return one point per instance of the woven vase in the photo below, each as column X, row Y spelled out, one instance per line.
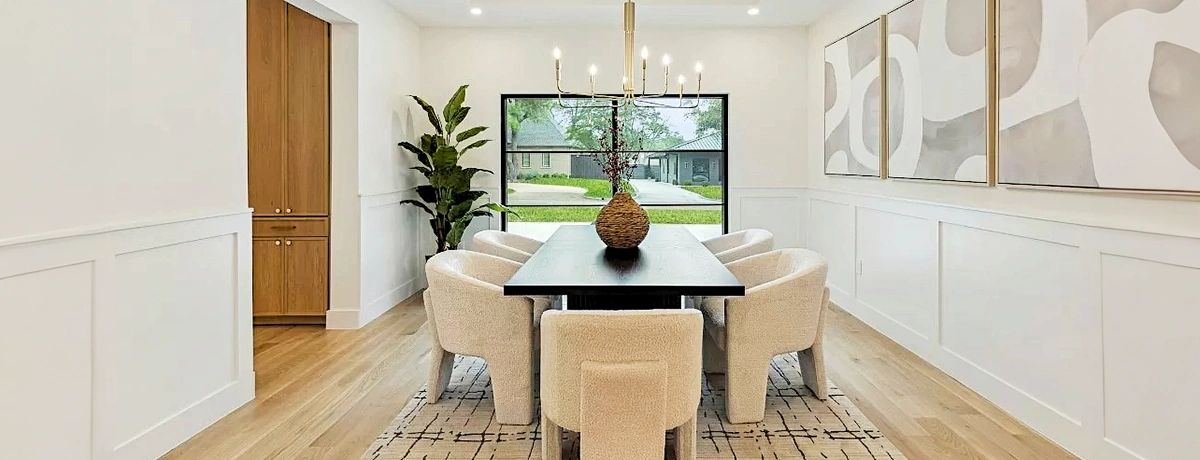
column 622, row 224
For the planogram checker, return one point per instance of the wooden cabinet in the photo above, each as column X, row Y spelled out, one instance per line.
column 289, row 166
column 287, row 110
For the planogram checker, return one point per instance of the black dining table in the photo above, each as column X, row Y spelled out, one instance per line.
column 670, row 264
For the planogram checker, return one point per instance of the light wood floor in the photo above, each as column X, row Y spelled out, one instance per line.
column 327, row 394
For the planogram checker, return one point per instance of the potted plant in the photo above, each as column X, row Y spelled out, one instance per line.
column 448, row 197
column 622, row 223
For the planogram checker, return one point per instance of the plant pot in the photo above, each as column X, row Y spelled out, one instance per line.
column 622, row 224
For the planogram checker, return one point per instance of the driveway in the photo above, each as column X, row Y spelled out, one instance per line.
column 651, row 192
column 538, row 194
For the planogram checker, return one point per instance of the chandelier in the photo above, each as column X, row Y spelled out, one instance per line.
column 629, row 93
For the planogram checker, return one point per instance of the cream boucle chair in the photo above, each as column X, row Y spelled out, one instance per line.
column 621, row 379
column 506, row 245
column 471, row 316
column 783, row 312
column 740, row 245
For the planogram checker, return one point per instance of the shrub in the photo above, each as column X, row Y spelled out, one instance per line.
column 687, row 183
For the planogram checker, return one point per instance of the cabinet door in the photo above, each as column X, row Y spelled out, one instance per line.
column 266, row 68
column 268, row 277
column 307, row 114
column 307, row 275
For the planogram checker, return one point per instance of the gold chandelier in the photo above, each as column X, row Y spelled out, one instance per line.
column 629, row 95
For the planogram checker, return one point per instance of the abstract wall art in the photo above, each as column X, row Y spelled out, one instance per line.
column 853, row 103
column 937, row 79
column 1100, row 94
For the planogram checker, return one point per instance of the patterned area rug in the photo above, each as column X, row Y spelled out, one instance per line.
column 797, row 425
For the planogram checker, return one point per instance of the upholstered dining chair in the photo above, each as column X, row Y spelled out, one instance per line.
column 513, row 247
column 621, row 380
column 470, row 315
column 739, row 245
column 783, row 312
column 516, row 248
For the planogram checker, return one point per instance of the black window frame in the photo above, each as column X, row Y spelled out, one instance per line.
column 504, row 152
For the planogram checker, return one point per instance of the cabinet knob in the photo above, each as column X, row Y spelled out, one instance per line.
column 289, row 243
column 277, row 242
column 277, row 210
column 289, row 210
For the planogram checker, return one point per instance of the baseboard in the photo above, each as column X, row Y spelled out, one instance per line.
column 175, row 430
column 355, row 319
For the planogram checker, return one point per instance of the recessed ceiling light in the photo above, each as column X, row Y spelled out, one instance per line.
column 753, row 12
column 477, row 11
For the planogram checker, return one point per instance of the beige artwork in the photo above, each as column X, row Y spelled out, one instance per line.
column 938, row 90
column 1100, row 94
column 853, row 104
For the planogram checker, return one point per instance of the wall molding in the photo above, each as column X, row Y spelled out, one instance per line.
column 121, row 226
column 155, row 293
column 997, row 271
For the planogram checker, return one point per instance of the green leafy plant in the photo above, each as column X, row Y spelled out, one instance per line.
column 448, row 198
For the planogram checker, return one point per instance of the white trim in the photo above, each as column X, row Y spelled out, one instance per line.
column 121, row 226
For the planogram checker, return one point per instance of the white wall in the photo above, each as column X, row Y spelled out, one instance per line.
column 124, row 251
column 761, row 69
column 1064, row 308
column 376, row 252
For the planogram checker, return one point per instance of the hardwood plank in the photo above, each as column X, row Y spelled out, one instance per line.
column 328, row 394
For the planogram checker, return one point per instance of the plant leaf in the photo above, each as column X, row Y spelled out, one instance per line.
column 452, row 107
column 426, row 171
column 470, row 133
column 476, row 145
column 428, row 193
column 456, row 119
column 473, row 171
column 421, row 155
column 501, row 208
column 433, row 116
column 446, row 157
column 419, row 205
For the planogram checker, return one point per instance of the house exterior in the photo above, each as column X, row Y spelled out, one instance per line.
column 530, row 146
column 695, row 162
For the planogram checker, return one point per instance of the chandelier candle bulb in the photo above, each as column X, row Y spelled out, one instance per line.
column 629, row 91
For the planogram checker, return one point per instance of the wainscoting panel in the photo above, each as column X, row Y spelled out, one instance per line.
column 831, row 233
column 1151, row 315
column 392, row 256
column 1014, row 306
column 131, row 339
column 1084, row 333
column 770, row 209
column 46, row 357
column 898, row 280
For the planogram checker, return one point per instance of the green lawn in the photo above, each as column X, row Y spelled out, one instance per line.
column 657, row 216
column 712, row 192
column 596, row 188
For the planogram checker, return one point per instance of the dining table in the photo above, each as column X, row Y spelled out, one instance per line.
column 670, row 264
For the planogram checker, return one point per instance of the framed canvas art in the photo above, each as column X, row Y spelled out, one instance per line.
column 1100, row 94
column 937, row 76
column 853, row 103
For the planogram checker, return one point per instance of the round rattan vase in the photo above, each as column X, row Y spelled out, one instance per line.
column 622, row 224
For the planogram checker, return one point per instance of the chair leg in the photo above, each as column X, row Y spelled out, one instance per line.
column 746, row 388
column 441, row 364
column 512, row 391
column 551, row 439
column 685, row 440
column 714, row 357
column 812, row 369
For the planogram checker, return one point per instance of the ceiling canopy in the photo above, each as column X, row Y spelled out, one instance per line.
column 575, row 13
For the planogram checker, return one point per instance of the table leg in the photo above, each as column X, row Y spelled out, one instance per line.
column 624, row 302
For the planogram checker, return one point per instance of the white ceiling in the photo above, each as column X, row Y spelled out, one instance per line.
column 650, row 13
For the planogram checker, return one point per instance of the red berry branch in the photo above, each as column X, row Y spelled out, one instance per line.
column 615, row 158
